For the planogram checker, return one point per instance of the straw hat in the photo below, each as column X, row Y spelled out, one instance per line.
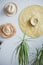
column 10, row 8
column 31, row 20
column 8, row 30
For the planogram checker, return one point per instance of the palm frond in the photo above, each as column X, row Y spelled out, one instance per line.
column 22, row 51
column 39, row 57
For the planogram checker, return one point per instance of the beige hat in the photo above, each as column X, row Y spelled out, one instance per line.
column 31, row 20
column 7, row 30
column 10, row 8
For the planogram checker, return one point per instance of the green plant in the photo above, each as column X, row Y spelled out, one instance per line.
column 39, row 57
column 22, row 52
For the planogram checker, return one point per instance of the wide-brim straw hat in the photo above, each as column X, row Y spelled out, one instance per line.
column 31, row 20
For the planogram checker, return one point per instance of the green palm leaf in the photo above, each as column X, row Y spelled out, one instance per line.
column 39, row 57
column 22, row 51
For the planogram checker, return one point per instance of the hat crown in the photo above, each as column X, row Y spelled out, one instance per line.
column 33, row 21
